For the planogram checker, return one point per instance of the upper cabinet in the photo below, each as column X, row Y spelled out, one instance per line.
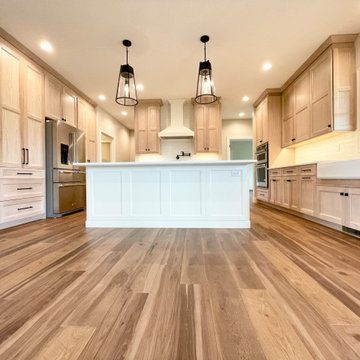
column 147, row 126
column 207, row 124
column 21, row 111
column 60, row 101
column 322, row 97
column 86, row 116
column 261, row 119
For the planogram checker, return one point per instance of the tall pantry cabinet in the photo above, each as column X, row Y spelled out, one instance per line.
column 22, row 176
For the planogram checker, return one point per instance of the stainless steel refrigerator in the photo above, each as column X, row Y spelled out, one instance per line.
column 65, row 182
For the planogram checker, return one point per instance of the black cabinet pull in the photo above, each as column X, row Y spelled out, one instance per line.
column 293, row 139
column 260, row 141
column 346, row 194
column 23, row 150
column 24, row 173
column 63, row 119
column 341, row 194
column 288, row 180
column 273, row 179
column 25, row 208
column 24, row 188
column 27, row 153
column 329, row 125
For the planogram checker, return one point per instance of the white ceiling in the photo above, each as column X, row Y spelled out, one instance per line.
column 87, row 39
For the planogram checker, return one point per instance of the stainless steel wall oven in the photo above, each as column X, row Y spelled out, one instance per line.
column 262, row 157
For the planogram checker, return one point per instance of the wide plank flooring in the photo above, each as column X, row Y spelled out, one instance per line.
column 285, row 289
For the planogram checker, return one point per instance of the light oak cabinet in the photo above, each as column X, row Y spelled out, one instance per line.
column 339, row 205
column 86, row 116
column 207, row 124
column 276, row 190
column 322, row 99
column 147, row 127
column 60, row 101
column 261, row 122
column 307, row 194
column 22, row 114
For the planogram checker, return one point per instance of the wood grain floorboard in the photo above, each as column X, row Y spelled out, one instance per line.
column 284, row 289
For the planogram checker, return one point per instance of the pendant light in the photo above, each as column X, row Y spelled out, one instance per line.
column 205, row 90
column 126, row 88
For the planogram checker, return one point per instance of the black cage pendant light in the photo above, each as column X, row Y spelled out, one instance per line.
column 126, row 87
column 205, row 90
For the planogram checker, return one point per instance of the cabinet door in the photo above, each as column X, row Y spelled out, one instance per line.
column 264, row 121
column 91, row 151
column 286, row 192
column 91, row 123
column 307, row 194
column 153, row 127
column 278, row 191
column 288, row 106
column 69, row 107
column 352, row 217
column 82, row 115
column 200, row 128
column 34, row 132
column 141, row 124
column 294, row 193
column 331, row 204
column 287, row 132
column 321, row 95
column 212, row 127
column 53, row 98
column 302, row 108
column 258, row 124
column 11, row 153
column 272, row 184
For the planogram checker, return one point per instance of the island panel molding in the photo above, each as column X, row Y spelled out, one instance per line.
column 209, row 194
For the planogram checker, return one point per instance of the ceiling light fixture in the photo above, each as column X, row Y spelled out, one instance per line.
column 245, row 98
column 267, row 66
column 205, row 89
column 46, row 46
column 124, row 113
column 140, row 87
column 126, row 88
column 102, row 97
column 241, row 114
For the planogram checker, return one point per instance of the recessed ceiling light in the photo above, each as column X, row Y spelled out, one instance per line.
column 46, row 46
column 245, row 98
column 102, row 97
column 140, row 87
column 124, row 113
column 267, row 66
column 241, row 114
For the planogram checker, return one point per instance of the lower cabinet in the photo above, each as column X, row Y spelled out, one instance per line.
column 339, row 205
column 276, row 192
column 307, row 190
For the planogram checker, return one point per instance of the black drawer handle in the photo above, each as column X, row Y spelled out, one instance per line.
column 293, row 139
column 329, row 125
column 288, row 180
column 24, row 173
column 63, row 119
column 346, row 194
column 24, row 188
column 25, row 208
column 306, row 170
column 342, row 194
column 273, row 179
column 306, row 178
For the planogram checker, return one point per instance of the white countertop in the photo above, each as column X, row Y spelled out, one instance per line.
column 169, row 163
column 286, row 166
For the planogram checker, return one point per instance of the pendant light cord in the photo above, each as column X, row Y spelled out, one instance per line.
column 127, row 56
column 204, row 51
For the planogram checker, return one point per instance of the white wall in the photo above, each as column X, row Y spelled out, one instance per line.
column 110, row 126
column 341, row 147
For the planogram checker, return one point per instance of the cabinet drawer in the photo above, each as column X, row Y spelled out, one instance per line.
column 262, row 194
column 308, row 170
column 275, row 172
column 20, row 209
column 21, row 173
column 290, row 171
column 13, row 189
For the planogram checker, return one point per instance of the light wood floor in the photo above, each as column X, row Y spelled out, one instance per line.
column 286, row 289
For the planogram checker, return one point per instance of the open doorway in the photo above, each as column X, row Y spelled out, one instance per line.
column 242, row 149
column 106, row 148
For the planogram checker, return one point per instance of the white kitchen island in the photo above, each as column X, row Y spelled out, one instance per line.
column 176, row 194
